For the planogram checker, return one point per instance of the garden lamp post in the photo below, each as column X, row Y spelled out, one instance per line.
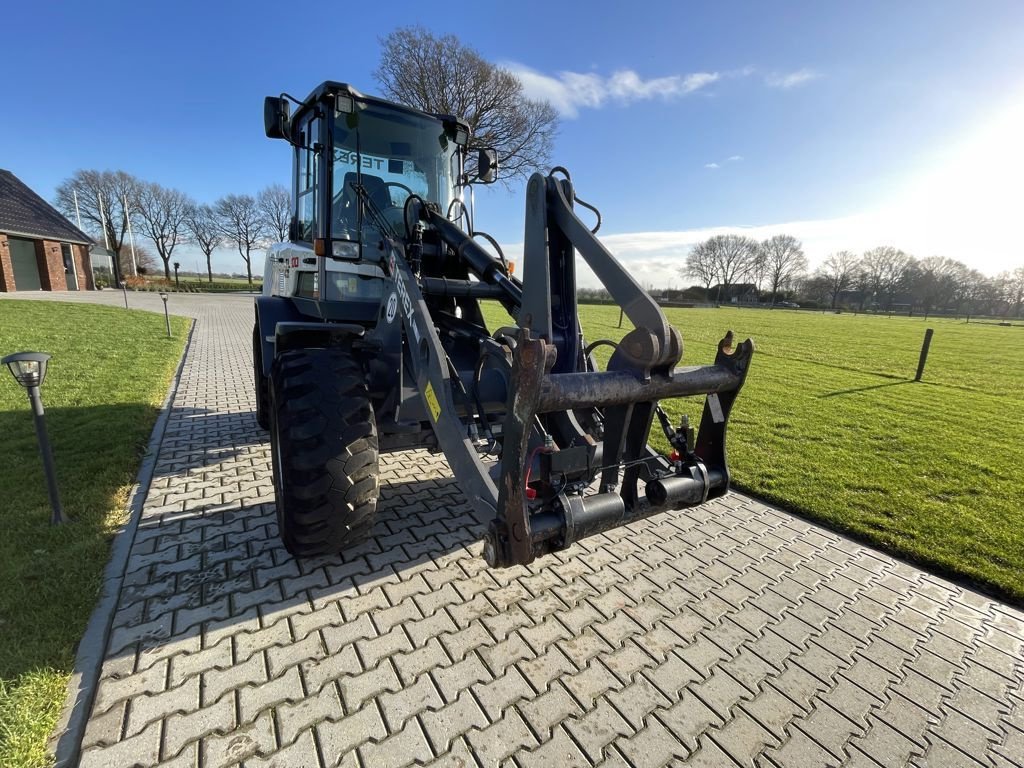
column 29, row 370
column 177, row 285
column 124, row 290
column 167, row 318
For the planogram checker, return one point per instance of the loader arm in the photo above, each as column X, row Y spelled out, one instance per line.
column 428, row 362
column 567, row 426
column 551, row 382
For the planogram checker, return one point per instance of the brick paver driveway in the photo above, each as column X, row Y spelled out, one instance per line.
column 733, row 634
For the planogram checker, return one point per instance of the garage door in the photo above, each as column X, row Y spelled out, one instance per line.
column 26, row 268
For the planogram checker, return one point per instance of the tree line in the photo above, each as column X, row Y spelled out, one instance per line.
column 732, row 267
column 114, row 204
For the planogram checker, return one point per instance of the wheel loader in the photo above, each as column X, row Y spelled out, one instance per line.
column 370, row 337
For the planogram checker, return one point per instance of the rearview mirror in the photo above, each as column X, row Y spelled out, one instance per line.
column 276, row 113
column 487, row 165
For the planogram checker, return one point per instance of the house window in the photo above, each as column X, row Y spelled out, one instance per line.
column 69, row 263
column 70, row 272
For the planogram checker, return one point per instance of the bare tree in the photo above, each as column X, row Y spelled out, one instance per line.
column 144, row 258
column 987, row 298
column 275, row 204
column 884, row 272
column 1011, row 290
column 934, row 280
column 700, row 264
column 728, row 257
column 816, row 288
column 840, row 271
column 784, row 260
column 758, row 271
column 441, row 74
column 160, row 213
column 971, row 290
column 101, row 197
column 239, row 219
column 204, row 230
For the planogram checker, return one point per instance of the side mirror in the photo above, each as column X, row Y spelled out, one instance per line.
column 276, row 114
column 487, row 165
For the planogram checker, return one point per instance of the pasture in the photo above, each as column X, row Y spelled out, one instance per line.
column 104, row 386
column 831, row 425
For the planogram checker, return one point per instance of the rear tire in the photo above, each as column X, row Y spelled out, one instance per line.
column 323, row 443
column 262, row 393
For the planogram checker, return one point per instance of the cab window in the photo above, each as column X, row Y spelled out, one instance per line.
column 305, row 193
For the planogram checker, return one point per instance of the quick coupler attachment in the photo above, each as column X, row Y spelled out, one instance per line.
column 546, row 501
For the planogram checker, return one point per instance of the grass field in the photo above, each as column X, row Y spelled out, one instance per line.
column 831, row 425
column 109, row 373
column 193, row 284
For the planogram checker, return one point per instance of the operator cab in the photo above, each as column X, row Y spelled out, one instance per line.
column 357, row 161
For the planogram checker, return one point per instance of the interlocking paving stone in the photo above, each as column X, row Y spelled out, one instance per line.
column 730, row 634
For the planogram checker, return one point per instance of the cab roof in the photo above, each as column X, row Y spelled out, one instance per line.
column 334, row 88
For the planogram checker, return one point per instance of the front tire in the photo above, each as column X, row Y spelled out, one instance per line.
column 262, row 388
column 323, row 443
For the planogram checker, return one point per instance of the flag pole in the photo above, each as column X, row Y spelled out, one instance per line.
column 78, row 213
column 115, row 267
column 131, row 237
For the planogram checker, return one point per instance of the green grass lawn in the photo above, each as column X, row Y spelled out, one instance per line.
column 831, row 425
column 201, row 284
column 109, row 373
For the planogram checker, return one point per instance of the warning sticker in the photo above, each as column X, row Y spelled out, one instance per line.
column 432, row 402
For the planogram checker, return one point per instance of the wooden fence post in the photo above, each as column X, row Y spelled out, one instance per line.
column 924, row 353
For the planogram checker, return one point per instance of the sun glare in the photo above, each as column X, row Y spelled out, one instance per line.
column 971, row 204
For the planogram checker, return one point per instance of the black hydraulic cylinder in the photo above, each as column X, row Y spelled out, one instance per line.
column 675, row 491
column 443, row 286
column 483, row 264
column 578, row 517
column 590, row 515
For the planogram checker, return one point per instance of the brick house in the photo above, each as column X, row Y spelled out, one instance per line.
column 39, row 248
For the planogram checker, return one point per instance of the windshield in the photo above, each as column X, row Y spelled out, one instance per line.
column 381, row 157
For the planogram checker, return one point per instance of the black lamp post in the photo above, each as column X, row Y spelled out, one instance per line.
column 177, row 285
column 167, row 318
column 29, row 370
column 124, row 290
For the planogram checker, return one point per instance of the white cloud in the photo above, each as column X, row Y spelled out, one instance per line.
column 712, row 165
column 698, row 80
column 787, row 80
column 734, row 158
column 568, row 92
column 655, row 258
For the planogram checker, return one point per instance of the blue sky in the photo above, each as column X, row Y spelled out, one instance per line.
column 849, row 125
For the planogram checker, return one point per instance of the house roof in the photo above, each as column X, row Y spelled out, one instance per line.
column 23, row 213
